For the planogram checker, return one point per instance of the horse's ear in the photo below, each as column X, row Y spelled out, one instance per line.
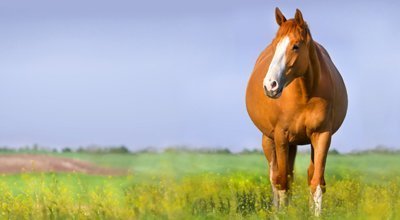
column 298, row 17
column 280, row 18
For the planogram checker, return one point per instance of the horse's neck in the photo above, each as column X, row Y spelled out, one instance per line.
column 313, row 72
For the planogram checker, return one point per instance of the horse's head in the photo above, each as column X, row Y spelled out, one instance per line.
column 291, row 56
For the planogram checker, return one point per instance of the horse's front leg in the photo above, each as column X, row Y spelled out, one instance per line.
column 269, row 151
column 320, row 143
column 282, row 159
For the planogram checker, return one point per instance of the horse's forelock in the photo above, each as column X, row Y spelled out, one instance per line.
column 301, row 32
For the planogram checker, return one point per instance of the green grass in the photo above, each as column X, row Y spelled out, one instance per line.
column 371, row 168
column 201, row 186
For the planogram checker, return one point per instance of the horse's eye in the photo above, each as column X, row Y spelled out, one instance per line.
column 295, row 47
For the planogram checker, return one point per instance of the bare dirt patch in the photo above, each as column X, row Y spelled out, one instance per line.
column 22, row 163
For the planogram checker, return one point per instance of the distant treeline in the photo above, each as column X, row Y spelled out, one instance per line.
column 121, row 149
column 377, row 150
column 89, row 149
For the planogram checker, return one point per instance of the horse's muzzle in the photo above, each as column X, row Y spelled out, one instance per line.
column 274, row 94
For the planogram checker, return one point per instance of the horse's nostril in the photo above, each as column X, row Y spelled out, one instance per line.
column 274, row 84
column 265, row 88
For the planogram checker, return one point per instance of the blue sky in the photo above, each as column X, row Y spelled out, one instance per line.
column 161, row 73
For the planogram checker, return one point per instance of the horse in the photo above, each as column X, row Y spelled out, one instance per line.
column 295, row 96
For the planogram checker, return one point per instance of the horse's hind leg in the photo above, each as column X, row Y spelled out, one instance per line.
column 310, row 171
column 291, row 160
column 269, row 151
column 292, row 157
column 310, row 174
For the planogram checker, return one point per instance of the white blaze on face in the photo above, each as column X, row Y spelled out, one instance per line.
column 277, row 66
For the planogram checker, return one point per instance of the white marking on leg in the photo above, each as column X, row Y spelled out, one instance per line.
column 317, row 197
column 280, row 198
column 283, row 198
column 275, row 199
column 278, row 63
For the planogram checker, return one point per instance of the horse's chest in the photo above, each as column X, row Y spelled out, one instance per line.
column 293, row 126
column 299, row 125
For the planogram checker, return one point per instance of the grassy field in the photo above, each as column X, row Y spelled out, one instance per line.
column 201, row 186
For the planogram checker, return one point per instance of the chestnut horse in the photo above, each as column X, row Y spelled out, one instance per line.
column 296, row 96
